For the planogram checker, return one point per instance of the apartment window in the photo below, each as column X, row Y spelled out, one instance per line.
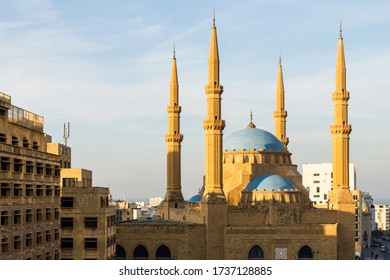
column 56, row 213
column 17, row 242
column 48, row 235
column 57, row 170
column 3, row 138
column 316, row 174
column 56, row 254
column 67, row 202
column 49, row 170
column 48, row 214
column 29, row 215
column 29, row 167
column 56, row 234
column 5, row 164
column 69, row 182
column 49, row 190
column 316, row 195
column 355, row 197
column 316, row 182
column 325, row 196
column 67, row 222
column 38, row 215
column 39, row 237
column 17, row 217
column 15, row 140
column 38, row 257
column 90, row 222
column 35, row 145
column 29, row 190
column 26, row 144
column 28, row 240
column 4, row 218
column 57, row 191
column 318, row 189
column 2, row 112
column 17, row 190
column 5, row 190
column 66, row 243
column 39, row 190
column 48, row 256
column 4, row 244
column 17, row 165
column 39, row 168
column 90, row 243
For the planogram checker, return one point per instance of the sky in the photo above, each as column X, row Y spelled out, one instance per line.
column 104, row 66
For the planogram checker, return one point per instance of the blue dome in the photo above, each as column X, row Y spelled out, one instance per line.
column 195, row 198
column 162, row 202
column 252, row 138
column 270, row 182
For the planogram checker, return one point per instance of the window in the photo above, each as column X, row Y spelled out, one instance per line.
column 67, row 202
column 17, row 165
column 325, row 196
column 318, row 189
column 38, row 215
column 17, row 242
column 66, row 222
column 29, row 216
column 49, row 170
column 48, row 255
column 49, row 190
column 66, row 243
column 25, row 143
column 15, row 140
column 5, row 164
column 305, row 253
column 316, row 182
column 56, row 254
column 17, row 217
column 355, row 197
column 5, row 190
column 39, row 168
column 90, row 243
column 56, row 213
column 4, row 244
column 39, row 237
column 57, row 191
column 4, row 218
column 316, row 174
column 28, row 240
column 68, row 182
column 29, row 167
column 256, row 253
column 35, row 145
column 39, row 190
column 17, row 190
column 163, row 253
column 48, row 235
column 2, row 112
column 38, row 257
column 90, row 222
column 29, row 190
column 48, row 214
column 3, row 138
column 57, row 170
column 56, row 234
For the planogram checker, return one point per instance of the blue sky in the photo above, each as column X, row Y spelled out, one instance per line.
column 104, row 66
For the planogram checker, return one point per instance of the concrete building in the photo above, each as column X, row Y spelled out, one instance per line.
column 29, row 186
column 318, row 180
column 87, row 219
column 253, row 204
column 382, row 216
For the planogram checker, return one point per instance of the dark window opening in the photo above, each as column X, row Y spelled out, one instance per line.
column 29, row 190
column 120, row 252
column 38, row 215
column 39, row 237
column 39, row 190
column 26, row 144
column 90, row 243
column 5, row 190
column 5, row 164
column 66, row 222
column 29, row 239
column 3, row 138
column 17, row 242
column 39, row 168
column 35, row 145
column 140, row 253
column 4, row 218
column 29, row 216
column 15, row 140
column 163, row 253
column 305, row 253
column 17, row 165
column 66, row 243
column 256, row 253
column 17, row 190
column 90, row 222
column 17, row 217
column 67, row 202
column 29, row 167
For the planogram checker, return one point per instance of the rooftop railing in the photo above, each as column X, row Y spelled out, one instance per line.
column 25, row 118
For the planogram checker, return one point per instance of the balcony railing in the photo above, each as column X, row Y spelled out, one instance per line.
column 25, row 118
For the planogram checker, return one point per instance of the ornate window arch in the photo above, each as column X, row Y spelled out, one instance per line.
column 305, row 253
column 163, row 253
column 140, row 253
column 256, row 253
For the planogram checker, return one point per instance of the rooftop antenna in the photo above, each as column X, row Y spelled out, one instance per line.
column 66, row 133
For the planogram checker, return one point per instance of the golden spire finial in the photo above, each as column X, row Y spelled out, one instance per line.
column 213, row 17
column 251, row 124
column 341, row 29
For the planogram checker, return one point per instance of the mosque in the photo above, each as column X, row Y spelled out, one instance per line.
column 252, row 204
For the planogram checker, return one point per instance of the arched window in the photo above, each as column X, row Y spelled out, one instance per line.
column 305, row 253
column 120, row 252
column 140, row 253
column 256, row 253
column 163, row 253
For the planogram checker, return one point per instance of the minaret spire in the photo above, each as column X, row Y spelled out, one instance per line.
column 213, row 126
column 280, row 114
column 174, row 196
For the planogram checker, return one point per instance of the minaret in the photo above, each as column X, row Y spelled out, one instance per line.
column 213, row 126
column 173, row 195
column 340, row 198
column 280, row 113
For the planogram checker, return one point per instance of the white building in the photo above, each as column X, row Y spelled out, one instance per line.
column 382, row 216
column 318, row 180
column 370, row 202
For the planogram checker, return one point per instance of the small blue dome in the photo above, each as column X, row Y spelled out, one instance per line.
column 252, row 138
column 195, row 198
column 270, row 182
